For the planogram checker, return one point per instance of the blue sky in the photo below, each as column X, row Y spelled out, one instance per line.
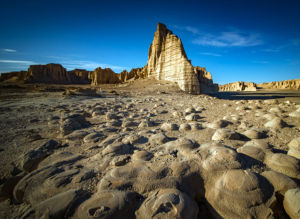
column 236, row 40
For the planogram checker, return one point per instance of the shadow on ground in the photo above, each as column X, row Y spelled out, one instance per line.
column 256, row 95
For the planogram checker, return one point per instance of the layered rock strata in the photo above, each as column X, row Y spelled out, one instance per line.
column 50, row 73
column 238, row 86
column 287, row 84
column 167, row 60
column 104, row 76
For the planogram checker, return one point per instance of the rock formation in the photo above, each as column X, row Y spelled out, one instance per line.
column 238, row 86
column 134, row 73
column 287, row 84
column 50, row 73
column 167, row 60
column 14, row 76
column 104, row 76
column 80, row 76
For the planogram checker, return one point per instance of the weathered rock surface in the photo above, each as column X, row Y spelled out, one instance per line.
column 49, row 73
column 233, row 195
column 291, row 203
column 104, row 76
column 238, row 86
column 287, row 84
column 168, row 203
column 167, row 60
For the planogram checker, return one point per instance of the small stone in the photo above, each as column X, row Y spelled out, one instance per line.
column 295, row 144
column 276, row 123
column 169, row 127
column 253, row 134
column 223, row 134
column 159, row 138
column 142, row 156
column 192, row 117
column 218, row 124
column 184, row 127
column 94, row 137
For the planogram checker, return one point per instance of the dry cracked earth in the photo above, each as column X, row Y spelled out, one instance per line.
column 147, row 150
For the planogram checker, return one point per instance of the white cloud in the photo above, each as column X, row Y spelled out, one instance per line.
column 210, row 54
column 193, row 30
column 9, row 50
column 21, row 62
column 89, row 65
column 229, row 39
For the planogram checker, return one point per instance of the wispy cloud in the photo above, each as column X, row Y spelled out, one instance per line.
column 89, row 65
column 290, row 43
column 191, row 29
column 210, row 54
column 21, row 62
column 229, row 39
column 9, row 50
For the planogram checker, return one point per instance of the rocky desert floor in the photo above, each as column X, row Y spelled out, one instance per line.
column 144, row 149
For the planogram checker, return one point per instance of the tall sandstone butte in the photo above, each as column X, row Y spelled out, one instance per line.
column 167, row 60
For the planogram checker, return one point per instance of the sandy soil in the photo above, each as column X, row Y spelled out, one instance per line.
column 135, row 125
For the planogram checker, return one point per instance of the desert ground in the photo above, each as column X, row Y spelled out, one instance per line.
column 145, row 149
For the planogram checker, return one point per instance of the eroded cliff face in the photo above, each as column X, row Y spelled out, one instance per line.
column 287, row 84
column 134, row 73
column 167, row 60
column 16, row 76
column 50, row 73
column 104, row 76
column 238, row 86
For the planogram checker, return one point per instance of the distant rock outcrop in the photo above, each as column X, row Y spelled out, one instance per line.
column 16, row 76
column 167, row 60
column 104, row 76
column 134, row 73
column 287, row 84
column 238, row 86
column 80, row 76
column 50, row 73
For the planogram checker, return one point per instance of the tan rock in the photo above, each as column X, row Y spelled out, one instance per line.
column 109, row 204
column 104, row 76
column 283, row 163
column 287, row 84
column 291, row 203
column 238, row 86
column 168, row 203
column 280, row 182
column 167, row 60
column 240, row 194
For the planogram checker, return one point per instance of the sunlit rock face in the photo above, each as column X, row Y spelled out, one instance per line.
column 238, row 86
column 47, row 73
column 287, row 84
column 167, row 60
column 104, row 76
